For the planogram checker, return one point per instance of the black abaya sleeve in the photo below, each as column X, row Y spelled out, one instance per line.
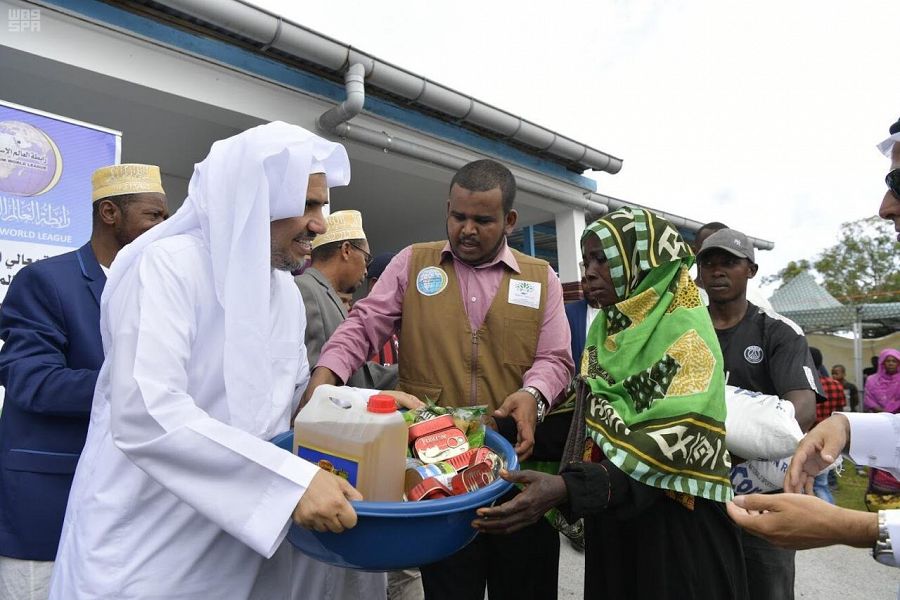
column 602, row 487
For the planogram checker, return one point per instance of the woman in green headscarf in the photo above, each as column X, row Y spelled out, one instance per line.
column 646, row 463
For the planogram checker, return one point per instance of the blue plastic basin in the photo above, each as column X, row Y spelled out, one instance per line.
column 398, row 535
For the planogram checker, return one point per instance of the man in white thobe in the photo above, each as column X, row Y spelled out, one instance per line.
column 178, row 495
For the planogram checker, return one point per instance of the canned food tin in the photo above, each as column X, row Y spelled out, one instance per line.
column 442, row 471
column 462, row 461
column 418, row 430
column 412, row 463
column 440, row 446
column 491, row 458
column 429, row 489
column 473, row 478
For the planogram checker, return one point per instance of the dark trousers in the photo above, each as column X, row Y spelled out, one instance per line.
column 770, row 569
column 520, row 566
column 665, row 552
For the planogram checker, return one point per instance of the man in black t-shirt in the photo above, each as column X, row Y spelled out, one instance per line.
column 769, row 354
column 763, row 353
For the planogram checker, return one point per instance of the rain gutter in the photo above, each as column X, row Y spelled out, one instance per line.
column 274, row 32
column 335, row 122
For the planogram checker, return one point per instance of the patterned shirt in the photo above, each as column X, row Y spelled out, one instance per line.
column 834, row 399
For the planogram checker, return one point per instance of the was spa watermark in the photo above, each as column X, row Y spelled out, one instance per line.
column 23, row 20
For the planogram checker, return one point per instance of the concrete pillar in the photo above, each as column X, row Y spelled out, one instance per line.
column 569, row 226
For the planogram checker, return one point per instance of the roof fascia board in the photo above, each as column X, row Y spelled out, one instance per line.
column 278, row 72
column 249, row 22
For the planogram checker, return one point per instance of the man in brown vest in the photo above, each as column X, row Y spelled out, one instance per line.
column 479, row 323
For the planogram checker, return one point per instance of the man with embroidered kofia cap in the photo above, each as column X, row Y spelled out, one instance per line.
column 50, row 326
column 340, row 258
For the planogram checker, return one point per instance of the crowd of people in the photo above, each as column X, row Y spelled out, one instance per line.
column 146, row 371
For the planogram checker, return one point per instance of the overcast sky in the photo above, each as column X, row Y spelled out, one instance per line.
column 760, row 114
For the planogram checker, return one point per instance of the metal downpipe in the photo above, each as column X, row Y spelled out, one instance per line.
column 354, row 84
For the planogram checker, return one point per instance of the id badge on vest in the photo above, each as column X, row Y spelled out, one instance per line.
column 525, row 293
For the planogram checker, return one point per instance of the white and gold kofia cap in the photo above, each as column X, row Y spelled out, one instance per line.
column 117, row 180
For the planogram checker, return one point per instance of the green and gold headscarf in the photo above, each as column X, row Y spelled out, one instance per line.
column 653, row 364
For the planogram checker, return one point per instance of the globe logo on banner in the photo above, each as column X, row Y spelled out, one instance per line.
column 45, row 205
column 30, row 162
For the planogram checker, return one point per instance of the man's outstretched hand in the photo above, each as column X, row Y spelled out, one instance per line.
column 818, row 449
column 521, row 406
column 800, row 522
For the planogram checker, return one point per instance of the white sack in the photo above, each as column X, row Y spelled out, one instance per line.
column 759, row 426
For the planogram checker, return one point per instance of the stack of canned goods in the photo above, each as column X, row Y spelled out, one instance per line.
column 443, row 464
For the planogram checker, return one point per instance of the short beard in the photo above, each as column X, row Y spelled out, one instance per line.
column 487, row 257
column 283, row 262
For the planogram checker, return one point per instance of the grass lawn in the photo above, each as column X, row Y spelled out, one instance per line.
column 851, row 489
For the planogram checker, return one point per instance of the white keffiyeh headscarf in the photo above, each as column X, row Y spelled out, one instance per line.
column 246, row 182
column 886, row 146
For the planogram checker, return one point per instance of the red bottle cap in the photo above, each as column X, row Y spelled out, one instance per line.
column 381, row 403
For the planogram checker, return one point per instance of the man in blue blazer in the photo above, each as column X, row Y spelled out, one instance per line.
column 578, row 313
column 52, row 352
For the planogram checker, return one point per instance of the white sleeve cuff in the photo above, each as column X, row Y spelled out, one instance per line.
column 268, row 526
column 875, row 440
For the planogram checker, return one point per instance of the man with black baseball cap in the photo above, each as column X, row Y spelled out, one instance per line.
column 764, row 353
column 732, row 241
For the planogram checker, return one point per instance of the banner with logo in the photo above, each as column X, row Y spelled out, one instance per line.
column 46, row 163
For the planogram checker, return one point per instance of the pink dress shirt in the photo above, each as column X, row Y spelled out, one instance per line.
column 374, row 318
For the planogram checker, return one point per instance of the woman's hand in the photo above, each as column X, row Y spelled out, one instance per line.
column 542, row 492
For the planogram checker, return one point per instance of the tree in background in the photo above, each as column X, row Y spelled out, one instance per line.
column 864, row 266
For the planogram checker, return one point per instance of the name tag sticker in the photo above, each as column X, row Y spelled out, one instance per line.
column 525, row 293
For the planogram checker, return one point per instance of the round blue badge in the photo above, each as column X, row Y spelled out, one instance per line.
column 431, row 281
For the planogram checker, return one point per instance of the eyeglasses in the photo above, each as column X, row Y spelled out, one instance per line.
column 368, row 256
column 892, row 180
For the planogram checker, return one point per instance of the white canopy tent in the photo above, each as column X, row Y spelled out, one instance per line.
column 809, row 305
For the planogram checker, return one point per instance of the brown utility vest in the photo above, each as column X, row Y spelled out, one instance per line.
column 441, row 358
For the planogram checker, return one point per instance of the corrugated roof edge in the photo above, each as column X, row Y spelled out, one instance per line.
column 274, row 31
